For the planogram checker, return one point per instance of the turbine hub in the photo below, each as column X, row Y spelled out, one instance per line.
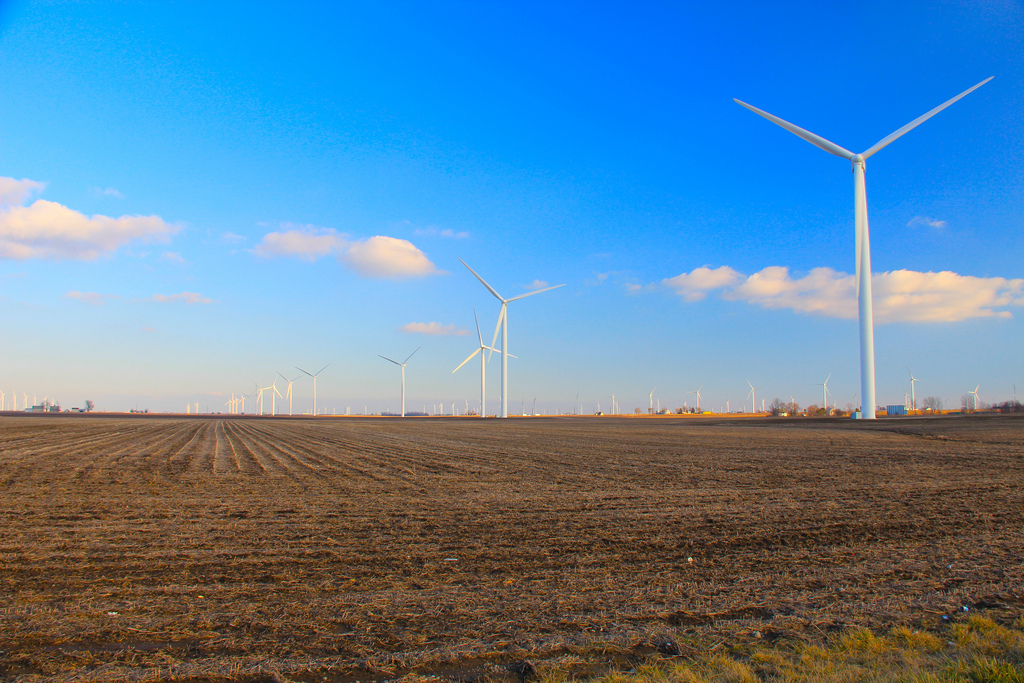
column 857, row 159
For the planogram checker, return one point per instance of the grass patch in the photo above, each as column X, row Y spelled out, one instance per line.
column 976, row 650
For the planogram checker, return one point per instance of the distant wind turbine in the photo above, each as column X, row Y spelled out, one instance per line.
column 503, row 328
column 824, row 393
column 697, row 392
column 483, row 365
column 753, row 398
column 402, row 365
column 913, row 394
column 651, row 409
column 314, row 376
column 863, row 247
column 288, row 391
column 975, row 392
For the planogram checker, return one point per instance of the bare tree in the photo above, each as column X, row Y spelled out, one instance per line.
column 933, row 403
column 89, row 405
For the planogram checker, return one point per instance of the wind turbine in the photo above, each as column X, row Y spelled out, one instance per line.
column 863, row 246
column 314, row 376
column 651, row 409
column 697, row 391
column 288, row 391
column 503, row 327
column 483, row 364
column 913, row 394
column 824, row 393
column 753, row 398
column 975, row 392
column 402, row 365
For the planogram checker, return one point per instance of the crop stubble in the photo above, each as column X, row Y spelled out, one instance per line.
column 211, row 547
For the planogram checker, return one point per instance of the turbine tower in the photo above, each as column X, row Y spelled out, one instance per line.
column 863, row 247
column 503, row 328
column 483, row 365
column 975, row 392
column 824, row 393
column 651, row 396
column 402, row 365
column 753, row 397
column 288, row 392
column 697, row 391
column 913, row 394
column 314, row 376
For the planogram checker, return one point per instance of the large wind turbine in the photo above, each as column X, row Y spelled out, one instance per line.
column 753, row 398
column 313, row 375
column 651, row 396
column 483, row 365
column 288, row 393
column 863, row 247
column 503, row 327
column 402, row 365
column 824, row 393
column 697, row 391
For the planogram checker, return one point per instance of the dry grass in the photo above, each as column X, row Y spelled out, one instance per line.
column 245, row 549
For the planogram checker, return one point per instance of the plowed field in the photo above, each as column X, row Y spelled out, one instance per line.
column 342, row 549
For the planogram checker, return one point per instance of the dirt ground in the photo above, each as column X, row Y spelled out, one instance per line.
column 248, row 549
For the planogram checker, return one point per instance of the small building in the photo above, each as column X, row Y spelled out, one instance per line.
column 895, row 410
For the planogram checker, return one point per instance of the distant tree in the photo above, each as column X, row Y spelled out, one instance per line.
column 89, row 405
column 679, row 411
column 965, row 402
column 812, row 410
column 636, row 411
column 777, row 407
column 793, row 408
column 1009, row 407
column 933, row 403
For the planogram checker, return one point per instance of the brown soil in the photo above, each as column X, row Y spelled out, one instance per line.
column 227, row 549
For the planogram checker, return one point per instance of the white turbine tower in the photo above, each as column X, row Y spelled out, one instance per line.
column 314, row 376
column 402, row 365
column 483, row 365
column 753, row 397
column 697, row 392
column 288, row 391
column 975, row 392
column 824, row 393
column 651, row 409
column 863, row 246
column 913, row 393
column 503, row 328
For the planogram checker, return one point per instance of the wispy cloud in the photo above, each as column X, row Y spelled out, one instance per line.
column 232, row 237
column 107, row 192
column 307, row 242
column 15, row 192
column 537, row 284
column 48, row 230
column 183, row 297
column 926, row 222
column 91, row 298
column 446, row 232
column 898, row 296
column 434, row 329
column 173, row 257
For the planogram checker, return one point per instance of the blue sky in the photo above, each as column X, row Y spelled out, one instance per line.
column 194, row 197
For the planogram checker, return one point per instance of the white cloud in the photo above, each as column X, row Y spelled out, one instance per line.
column 50, row 230
column 306, row 242
column 434, row 329
column 184, row 297
column 378, row 256
column 898, row 296
column 93, row 298
column 388, row 257
column 232, row 237
column 537, row 284
column 15, row 192
column 696, row 284
column 926, row 222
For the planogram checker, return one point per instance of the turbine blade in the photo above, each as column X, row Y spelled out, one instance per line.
column 920, row 119
column 537, row 291
column 479, row 336
column 468, row 359
column 497, row 328
column 386, row 358
column 323, row 368
column 301, row 370
column 807, row 135
column 410, row 355
column 484, row 283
